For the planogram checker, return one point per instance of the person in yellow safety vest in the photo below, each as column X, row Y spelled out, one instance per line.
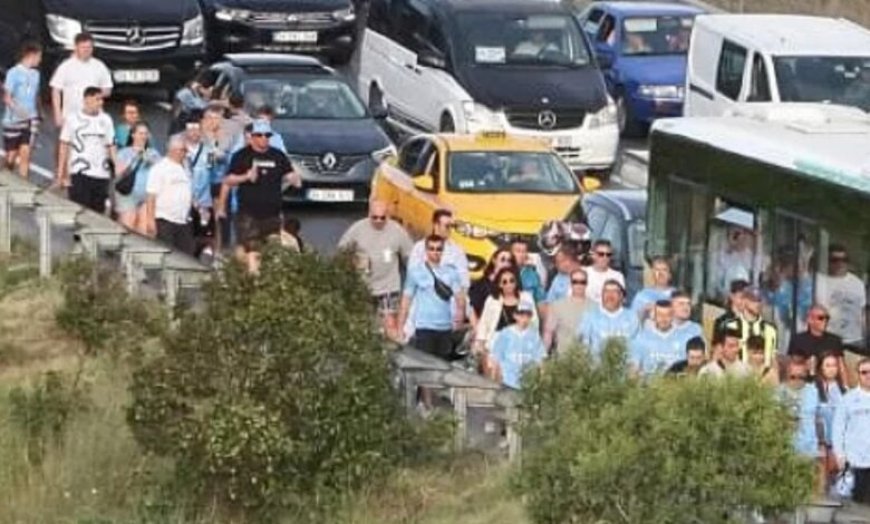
column 749, row 323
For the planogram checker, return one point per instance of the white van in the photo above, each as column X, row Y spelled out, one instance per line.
column 467, row 66
column 776, row 58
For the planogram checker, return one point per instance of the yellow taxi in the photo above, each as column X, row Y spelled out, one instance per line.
column 498, row 187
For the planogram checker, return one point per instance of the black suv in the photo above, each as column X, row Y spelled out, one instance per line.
column 150, row 42
column 321, row 27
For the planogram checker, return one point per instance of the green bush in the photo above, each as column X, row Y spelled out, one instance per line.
column 42, row 413
column 601, row 448
column 97, row 309
column 277, row 395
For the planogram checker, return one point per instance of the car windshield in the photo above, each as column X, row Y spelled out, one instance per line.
column 656, row 35
column 502, row 39
column 838, row 80
column 303, row 96
column 509, row 172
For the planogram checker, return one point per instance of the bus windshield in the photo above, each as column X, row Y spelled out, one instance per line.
column 837, row 80
column 502, row 39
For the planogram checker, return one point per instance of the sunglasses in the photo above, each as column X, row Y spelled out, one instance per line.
column 822, row 317
column 579, row 282
column 797, row 377
column 435, row 249
column 378, row 218
column 504, row 260
column 508, row 281
column 606, row 254
column 864, row 372
column 839, row 259
column 261, row 135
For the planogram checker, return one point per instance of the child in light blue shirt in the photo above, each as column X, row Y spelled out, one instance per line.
column 516, row 347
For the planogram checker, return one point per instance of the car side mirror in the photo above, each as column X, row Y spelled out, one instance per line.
column 430, row 58
column 605, row 59
column 424, row 183
column 590, row 184
column 379, row 112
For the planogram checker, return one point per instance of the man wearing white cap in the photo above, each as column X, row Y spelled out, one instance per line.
column 516, row 347
column 259, row 172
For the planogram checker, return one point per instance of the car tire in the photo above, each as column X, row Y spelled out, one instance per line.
column 629, row 127
column 447, row 125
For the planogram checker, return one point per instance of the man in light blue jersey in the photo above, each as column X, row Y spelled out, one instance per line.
column 660, row 290
column 516, row 347
column 609, row 320
column 21, row 116
column 566, row 261
column 657, row 346
column 684, row 326
column 851, row 434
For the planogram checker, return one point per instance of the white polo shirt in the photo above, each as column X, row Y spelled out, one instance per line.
column 169, row 182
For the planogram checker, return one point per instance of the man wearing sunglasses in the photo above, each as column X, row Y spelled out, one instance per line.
column 258, row 172
column 600, row 271
column 816, row 340
column 379, row 246
column 607, row 321
column 851, row 433
column 564, row 315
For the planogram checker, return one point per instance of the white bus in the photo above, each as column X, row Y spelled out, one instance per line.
column 778, row 196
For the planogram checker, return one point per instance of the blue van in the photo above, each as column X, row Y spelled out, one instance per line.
column 641, row 48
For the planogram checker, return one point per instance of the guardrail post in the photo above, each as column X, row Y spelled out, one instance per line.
column 5, row 223
column 43, row 221
column 460, row 412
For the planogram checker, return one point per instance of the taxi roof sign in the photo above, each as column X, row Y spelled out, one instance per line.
column 493, row 134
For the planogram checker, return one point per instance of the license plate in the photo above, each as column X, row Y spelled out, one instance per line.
column 330, row 195
column 295, row 37
column 136, row 76
column 563, row 141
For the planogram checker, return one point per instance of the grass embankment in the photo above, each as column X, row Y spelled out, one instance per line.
column 94, row 472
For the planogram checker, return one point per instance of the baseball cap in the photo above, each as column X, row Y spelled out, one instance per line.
column 526, row 306
column 261, row 127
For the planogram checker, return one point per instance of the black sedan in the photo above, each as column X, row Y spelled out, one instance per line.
column 332, row 139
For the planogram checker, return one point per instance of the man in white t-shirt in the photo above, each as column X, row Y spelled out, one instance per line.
column 75, row 74
column 845, row 297
column 600, row 271
column 170, row 196
column 87, row 146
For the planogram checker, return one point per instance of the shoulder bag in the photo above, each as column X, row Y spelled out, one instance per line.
column 441, row 289
column 125, row 183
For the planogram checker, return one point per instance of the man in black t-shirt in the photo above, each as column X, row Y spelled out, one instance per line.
column 259, row 172
column 816, row 340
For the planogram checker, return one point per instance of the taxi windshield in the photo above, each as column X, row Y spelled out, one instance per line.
column 509, row 172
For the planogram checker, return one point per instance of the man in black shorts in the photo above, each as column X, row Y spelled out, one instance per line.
column 259, row 172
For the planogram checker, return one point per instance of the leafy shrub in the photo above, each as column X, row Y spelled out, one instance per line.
column 42, row 413
column 278, row 394
column 601, row 448
column 97, row 309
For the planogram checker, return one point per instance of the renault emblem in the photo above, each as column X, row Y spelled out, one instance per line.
column 547, row 119
column 134, row 36
column 329, row 160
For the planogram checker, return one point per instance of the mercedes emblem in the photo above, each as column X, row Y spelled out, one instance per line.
column 329, row 161
column 134, row 36
column 547, row 119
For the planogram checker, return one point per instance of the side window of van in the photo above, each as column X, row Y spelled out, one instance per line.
column 729, row 74
column 592, row 21
column 379, row 16
column 759, row 90
column 410, row 18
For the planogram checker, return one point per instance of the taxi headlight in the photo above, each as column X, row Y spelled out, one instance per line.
column 467, row 229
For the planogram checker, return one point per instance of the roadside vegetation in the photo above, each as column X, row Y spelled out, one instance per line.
column 252, row 410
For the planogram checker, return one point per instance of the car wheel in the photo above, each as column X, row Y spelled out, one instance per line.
column 447, row 124
column 628, row 126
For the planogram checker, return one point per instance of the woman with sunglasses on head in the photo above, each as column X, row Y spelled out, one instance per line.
column 481, row 289
column 135, row 160
column 831, row 386
column 500, row 306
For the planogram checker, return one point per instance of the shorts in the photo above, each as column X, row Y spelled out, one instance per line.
column 387, row 303
column 252, row 232
column 89, row 192
column 128, row 203
column 17, row 135
column 433, row 342
column 176, row 236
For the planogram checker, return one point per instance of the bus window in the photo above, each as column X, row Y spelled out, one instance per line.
column 686, row 238
column 841, row 286
column 732, row 249
column 787, row 279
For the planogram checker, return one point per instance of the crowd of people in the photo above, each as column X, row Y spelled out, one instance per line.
column 515, row 316
column 219, row 182
column 223, row 166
